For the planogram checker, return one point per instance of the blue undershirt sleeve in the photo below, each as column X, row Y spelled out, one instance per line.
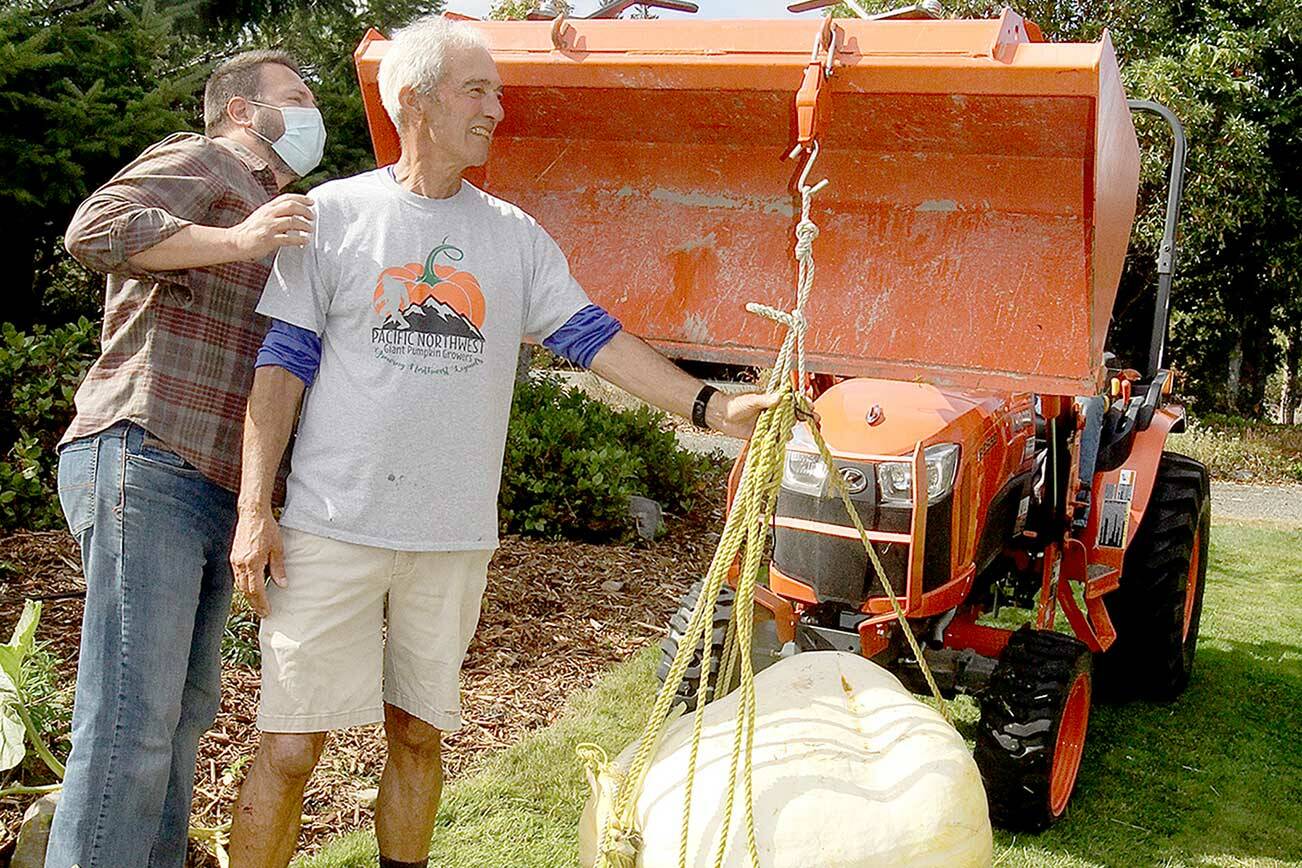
column 297, row 350
column 583, row 335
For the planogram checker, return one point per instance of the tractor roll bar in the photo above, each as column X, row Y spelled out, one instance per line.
column 1166, row 254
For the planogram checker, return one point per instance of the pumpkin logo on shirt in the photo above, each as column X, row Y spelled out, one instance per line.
column 432, row 311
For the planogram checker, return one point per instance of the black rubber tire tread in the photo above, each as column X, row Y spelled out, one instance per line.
column 1150, row 658
column 1021, row 710
column 677, row 630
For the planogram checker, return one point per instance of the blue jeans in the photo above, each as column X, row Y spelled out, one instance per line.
column 155, row 538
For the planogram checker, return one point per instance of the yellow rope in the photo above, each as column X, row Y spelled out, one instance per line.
column 745, row 533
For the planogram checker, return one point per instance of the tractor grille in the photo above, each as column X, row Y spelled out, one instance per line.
column 838, row 569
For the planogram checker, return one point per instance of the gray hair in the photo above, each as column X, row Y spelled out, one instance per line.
column 239, row 76
column 416, row 57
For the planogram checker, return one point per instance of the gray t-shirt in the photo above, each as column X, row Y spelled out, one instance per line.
column 421, row 305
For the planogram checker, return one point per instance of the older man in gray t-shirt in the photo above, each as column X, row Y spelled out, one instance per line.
column 421, row 304
column 405, row 308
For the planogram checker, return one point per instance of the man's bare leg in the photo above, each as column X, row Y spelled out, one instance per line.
column 264, row 829
column 409, row 788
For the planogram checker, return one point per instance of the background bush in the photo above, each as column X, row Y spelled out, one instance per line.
column 572, row 462
column 42, row 369
column 1243, row 450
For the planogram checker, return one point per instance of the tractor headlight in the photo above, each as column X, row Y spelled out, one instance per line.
column 895, row 478
column 803, row 470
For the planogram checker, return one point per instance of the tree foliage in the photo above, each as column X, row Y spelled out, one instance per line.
column 41, row 370
column 85, row 86
column 517, row 10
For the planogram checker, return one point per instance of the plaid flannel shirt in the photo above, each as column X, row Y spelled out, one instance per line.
column 177, row 347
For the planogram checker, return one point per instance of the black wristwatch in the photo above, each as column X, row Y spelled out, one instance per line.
column 699, row 405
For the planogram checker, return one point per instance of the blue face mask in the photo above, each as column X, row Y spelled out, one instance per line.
column 303, row 141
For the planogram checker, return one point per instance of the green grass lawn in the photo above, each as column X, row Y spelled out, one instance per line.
column 1214, row 779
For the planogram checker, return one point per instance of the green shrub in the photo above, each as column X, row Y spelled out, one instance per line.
column 240, row 645
column 42, row 370
column 1243, row 450
column 49, row 698
column 572, row 462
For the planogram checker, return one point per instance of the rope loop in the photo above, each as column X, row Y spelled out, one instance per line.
column 804, row 408
column 594, row 756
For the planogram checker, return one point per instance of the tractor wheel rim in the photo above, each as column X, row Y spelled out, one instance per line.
column 1070, row 745
column 1191, row 585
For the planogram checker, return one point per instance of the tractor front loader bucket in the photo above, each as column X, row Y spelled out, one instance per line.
column 982, row 186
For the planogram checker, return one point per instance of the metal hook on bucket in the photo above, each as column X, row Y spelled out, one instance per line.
column 811, row 99
column 825, row 40
column 803, row 183
column 558, row 30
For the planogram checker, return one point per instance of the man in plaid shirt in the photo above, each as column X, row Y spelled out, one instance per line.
column 149, row 468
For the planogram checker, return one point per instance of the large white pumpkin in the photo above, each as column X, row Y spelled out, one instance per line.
column 850, row 770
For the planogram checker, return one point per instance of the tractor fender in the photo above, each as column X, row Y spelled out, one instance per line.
column 1120, row 496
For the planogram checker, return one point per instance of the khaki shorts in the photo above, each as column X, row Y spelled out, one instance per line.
column 326, row 661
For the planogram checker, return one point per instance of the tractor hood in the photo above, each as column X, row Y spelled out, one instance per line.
column 886, row 417
column 982, row 187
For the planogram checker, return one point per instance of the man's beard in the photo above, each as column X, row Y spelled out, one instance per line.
column 263, row 126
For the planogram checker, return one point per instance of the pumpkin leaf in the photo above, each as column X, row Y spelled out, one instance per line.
column 13, row 745
column 20, row 644
column 13, row 735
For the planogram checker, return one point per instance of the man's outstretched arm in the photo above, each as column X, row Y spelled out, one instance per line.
column 268, row 421
column 635, row 367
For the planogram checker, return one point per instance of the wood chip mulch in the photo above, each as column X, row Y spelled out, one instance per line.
column 555, row 617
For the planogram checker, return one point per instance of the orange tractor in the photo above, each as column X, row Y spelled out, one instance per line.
column 982, row 189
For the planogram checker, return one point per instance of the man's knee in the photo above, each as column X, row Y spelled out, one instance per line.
column 411, row 735
column 291, row 756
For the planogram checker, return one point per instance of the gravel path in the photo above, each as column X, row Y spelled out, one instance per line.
column 1281, row 504
column 1278, row 504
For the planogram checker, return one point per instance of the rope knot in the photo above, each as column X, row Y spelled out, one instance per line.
column 806, row 232
column 794, row 320
column 620, row 843
column 804, row 408
column 799, row 324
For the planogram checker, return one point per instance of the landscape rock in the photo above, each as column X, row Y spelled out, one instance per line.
column 648, row 516
column 34, row 834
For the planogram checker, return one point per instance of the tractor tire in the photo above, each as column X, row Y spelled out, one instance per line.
column 1158, row 604
column 677, row 631
column 1034, row 715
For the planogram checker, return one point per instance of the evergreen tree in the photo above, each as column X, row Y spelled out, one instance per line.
column 84, row 87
